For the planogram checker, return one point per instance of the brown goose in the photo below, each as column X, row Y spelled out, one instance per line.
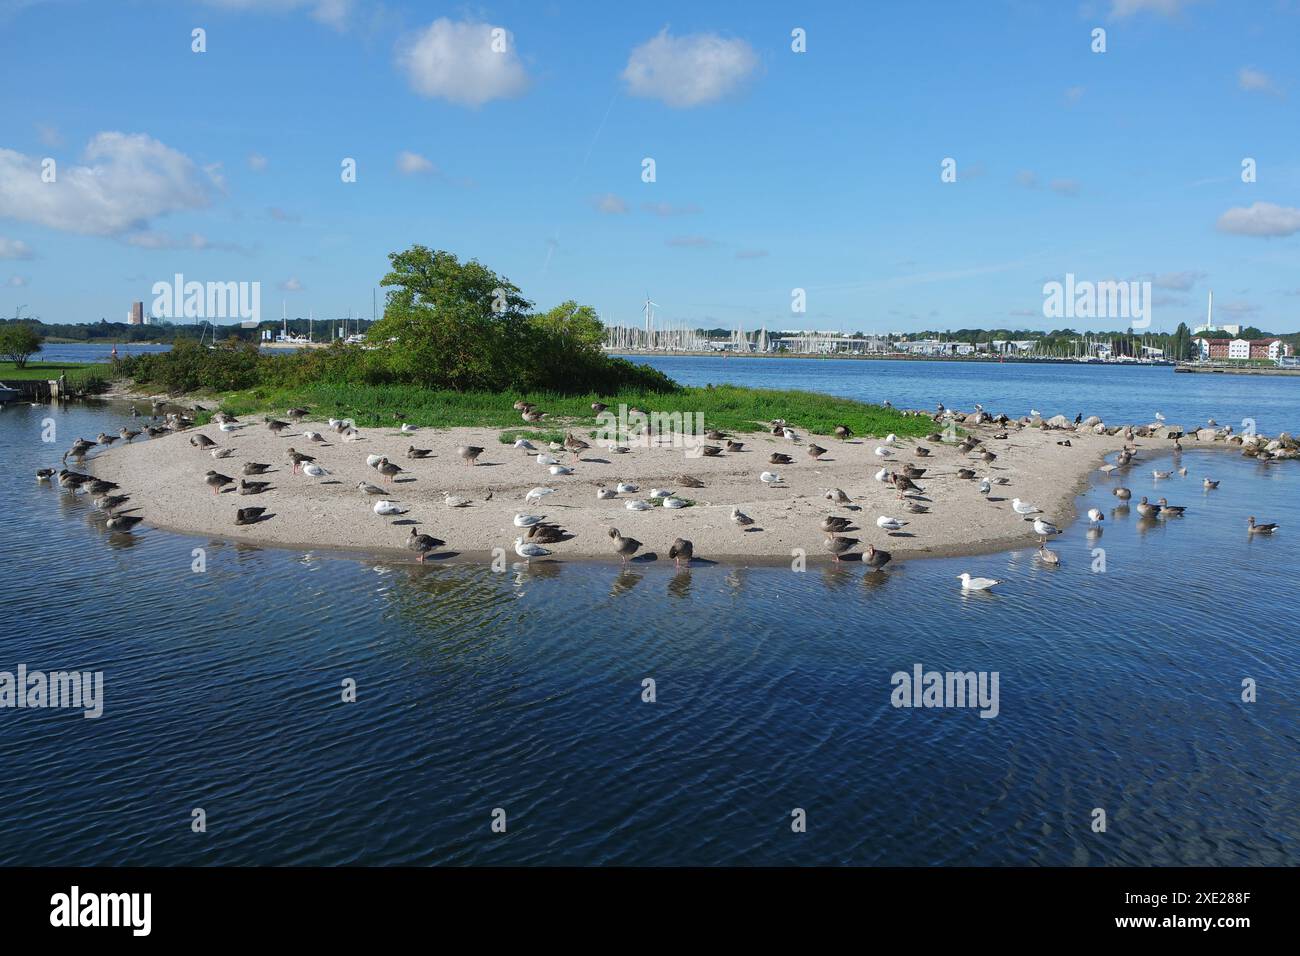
column 911, row 471
column 123, row 522
column 903, row 483
column 105, row 439
column 965, row 473
column 914, row 507
column 201, row 441
column 734, row 445
column 547, row 533
column 688, row 481
column 1253, row 528
column 297, row 414
column 388, row 470
column 249, row 515
column 252, row 487
column 624, row 547
column 838, row 544
column 256, row 468
column 714, row 435
column 843, row 432
column 875, row 558
column 934, row 438
column 422, row 544
column 298, row 458
column 816, row 451
column 1168, row 510
column 111, row 502
column 522, row 406
column 469, row 453
column 922, row 451
column 532, row 415
column 598, row 407
column 216, row 481
column 1147, row 510
column 126, row 434
column 413, row 452
column 776, row 458
column 833, row 524
column 276, row 426
column 681, row 550
column 1123, row 494
column 99, row 486
column 711, row 451
column 575, row 445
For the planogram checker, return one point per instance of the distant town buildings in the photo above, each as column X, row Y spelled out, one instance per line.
column 1239, row 350
column 137, row 315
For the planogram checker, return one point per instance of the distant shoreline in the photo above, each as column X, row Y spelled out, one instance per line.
column 978, row 359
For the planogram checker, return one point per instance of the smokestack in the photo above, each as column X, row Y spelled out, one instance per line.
column 1209, row 312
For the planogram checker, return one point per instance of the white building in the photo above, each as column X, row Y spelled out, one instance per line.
column 1239, row 349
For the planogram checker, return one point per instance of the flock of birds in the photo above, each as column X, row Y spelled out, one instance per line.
column 535, row 532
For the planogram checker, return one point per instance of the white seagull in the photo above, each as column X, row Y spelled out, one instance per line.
column 1024, row 507
column 882, row 474
column 1095, row 515
column 527, row 550
column 374, row 460
column 313, row 470
column 769, row 478
column 636, row 504
column 660, row 493
column 386, row 509
column 969, row 583
column 527, row 521
column 882, row 452
column 627, row 488
column 889, row 524
column 1046, row 528
column 408, row 429
column 604, row 494
column 525, row 444
column 561, row 470
column 537, row 494
column 674, row 503
column 545, row 459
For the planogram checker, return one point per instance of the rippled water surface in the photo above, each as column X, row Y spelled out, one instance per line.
column 522, row 690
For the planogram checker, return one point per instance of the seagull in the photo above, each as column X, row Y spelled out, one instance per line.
column 528, row 521
column 1024, row 508
column 770, row 478
column 1046, row 528
column 1034, row 413
column 561, row 470
column 409, row 429
column 222, row 452
column 537, row 494
column 310, row 436
column 883, row 452
column 627, row 488
column 374, row 460
column 985, row 487
column 298, row 458
column 681, row 550
column 886, row 523
column 882, row 474
column 469, row 453
column 740, row 518
column 1108, row 468
column 1253, row 528
column 1095, row 515
column 837, row 496
column 313, row 470
column 674, row 503
column 789, row 434
column 527, row 550
column 636, row 504
column 1159, row 417
column 891, row 439
column 525, row 444
column 366, row 488
column 605, row 494
column 545, row 459
column 1210, row 485
column 230, row 426
column 1161, row 474
column 660, row 493
column 454, row 501
column 969, row 583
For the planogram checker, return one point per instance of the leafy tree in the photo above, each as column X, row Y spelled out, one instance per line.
column 575, row 325
column 19, row 341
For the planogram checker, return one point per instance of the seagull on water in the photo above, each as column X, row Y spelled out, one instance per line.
column 969, row 583
column 1210, row 485
column 1095, row 515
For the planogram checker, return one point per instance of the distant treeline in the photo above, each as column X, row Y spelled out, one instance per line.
column 163, row 331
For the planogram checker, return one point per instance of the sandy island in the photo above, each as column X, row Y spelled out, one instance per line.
column 164, row 478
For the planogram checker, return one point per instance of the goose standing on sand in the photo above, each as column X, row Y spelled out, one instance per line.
column 298, row 459
column 201, row 441
column 388, row 469
column 740, row 518
column 681, row 550
column 422, row 544
column 838, row 544
column 216, row 481
column 469, row 453
column 624, row 546
column 575, row 445
column 815, row 451
column 388, row 509
column 969, row 583
column 1253, row 528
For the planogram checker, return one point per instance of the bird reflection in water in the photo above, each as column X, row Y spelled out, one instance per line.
column 679, row 586
column 625, row 582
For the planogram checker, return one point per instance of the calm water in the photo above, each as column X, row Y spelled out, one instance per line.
column 521, row 690
column 94, row 351
column 1114, row 392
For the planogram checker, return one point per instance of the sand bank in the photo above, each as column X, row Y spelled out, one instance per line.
column 164, row 477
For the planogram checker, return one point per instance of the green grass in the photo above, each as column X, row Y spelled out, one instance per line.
column 42, row 371
column 727, row 408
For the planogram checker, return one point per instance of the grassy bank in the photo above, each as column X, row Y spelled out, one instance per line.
column 41, row 371
column 728, row 408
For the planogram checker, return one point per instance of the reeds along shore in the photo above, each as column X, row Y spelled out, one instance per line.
column 966, row 471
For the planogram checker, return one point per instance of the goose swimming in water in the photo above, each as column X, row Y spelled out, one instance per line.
column 624, row 547
column 1146, row 509
column 1210, row 485
column 422, row 544
column 969, row 583
column 1123, row 494
column 1170, row 511
column 1048, row 557
column 44, row 474
column 681, row 550
column 1253, row 528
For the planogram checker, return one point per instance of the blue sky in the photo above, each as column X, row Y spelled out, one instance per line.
column 775, row 170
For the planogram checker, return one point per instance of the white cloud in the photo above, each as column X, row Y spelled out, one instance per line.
column 333, row 13
column 257, row 162
column 691, row 242
column 1255, row 81
column 194, row 242
column 411, row 164
column 609, row 204
column 668, row 209
column 1167, row 8
column 751, row 254
column 1260, row 219
column 1073, row 94
column 1027, row 178
column 14, row 249
column 1065, row 187
column 690, row 70
column 282, row 215
column 49, row 135
column 461, row 61
column 291, row 284
column 127, row 180
column 1181, row 281
column 17, row 282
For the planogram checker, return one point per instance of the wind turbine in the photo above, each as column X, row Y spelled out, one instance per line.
column 649, row 310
